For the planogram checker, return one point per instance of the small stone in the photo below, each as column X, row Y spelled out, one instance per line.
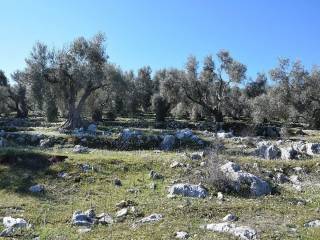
column 63, row 175
column 182, row 235
column 294, row 179
column 220, row 196
column 298, row 170
column 90, row 213
column 104, row 219
column 39, row 188
column 151, row 218
column 81, row 219
column 230, row 218
column 176, row 164
column 85, row 167
column 196, row 156
column 122, row 213
column 155, row 176
column 314, row 223
column 133, row 190
column 80, row 149
column 153, row 186
column 83, row 230
column 281, row 178
column 117, row 182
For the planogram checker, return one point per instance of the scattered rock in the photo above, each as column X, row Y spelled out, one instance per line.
column 197, row 155
column 242, row 232
column 83, row 230
column 220, row 196
column 288, row 153
column 117, row 182
column 168, row 142
column 85, row 167
column 176, row 164
column 313, row 148
column 123, row 204
column 182, row 235
column 44, row 143
column 151, row 218
column 187, row 135
column 188, row 190
column 122, row 213
column 82, row 219
column 80, row 149
column 12, row 225
column 298, row 170
column 153, row 186
column 281, row 178
column 104, row 219
column 224, row 135
column 39, row 188
column 230, row 218
column 155, row 176
column 240, row 179
column 314, row 223
column 133, row 190
column 295, row 179
column 63, row 175
column 267, row 150
column 10, row 222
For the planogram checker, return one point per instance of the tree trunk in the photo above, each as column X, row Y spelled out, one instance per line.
column 218, row 116
column 74, row 120
column 74, row 116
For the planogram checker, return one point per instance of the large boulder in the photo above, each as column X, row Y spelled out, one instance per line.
column 168, row 142
column 241, row 180
column 12, row 225
column 314, row 223
column 187, row 135
column 242, row 232
column 128, row 134
column 188, row 190
column 289, row 153
column 267, row 150
column 184, row 134
column 313, row 148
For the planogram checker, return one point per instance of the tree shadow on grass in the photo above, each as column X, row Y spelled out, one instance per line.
column 21, row 169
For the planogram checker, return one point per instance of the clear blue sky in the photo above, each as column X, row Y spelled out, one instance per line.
column 162, row 33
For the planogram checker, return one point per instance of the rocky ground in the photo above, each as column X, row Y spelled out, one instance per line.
column 142, row 183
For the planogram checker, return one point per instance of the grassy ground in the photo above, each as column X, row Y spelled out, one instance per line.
column 276, row 216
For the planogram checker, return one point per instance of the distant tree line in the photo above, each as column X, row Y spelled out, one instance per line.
column 78, row 81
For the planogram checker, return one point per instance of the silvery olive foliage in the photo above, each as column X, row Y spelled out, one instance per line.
column 77, row 82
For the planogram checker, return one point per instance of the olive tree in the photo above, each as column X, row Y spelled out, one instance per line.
column 298, row 90
column 76, row 71
column 3, row 92
column 18, row 95
column 209, row 88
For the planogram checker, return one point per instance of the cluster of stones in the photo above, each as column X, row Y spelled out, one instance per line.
column 270, row 151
